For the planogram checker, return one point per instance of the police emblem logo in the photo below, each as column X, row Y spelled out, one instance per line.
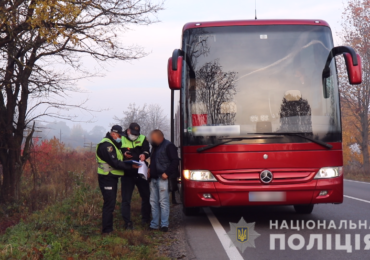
column 137, row 142
column 110, row 149
column 242, row 234
column 136, row 128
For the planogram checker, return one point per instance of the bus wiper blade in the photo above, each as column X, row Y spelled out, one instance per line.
column 326, row 145
column 199, row 150
column 228, row 140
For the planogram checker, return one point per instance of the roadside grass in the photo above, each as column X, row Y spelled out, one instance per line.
column 70, row 229
column 357, row 176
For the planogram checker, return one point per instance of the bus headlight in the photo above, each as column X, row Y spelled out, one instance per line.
column 328, row 172
column 199, row 175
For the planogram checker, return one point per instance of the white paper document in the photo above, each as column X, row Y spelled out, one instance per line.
column 143, row 169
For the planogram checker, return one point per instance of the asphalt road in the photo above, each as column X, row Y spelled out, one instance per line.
column 207, row 233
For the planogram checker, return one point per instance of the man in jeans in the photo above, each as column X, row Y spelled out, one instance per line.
column 164, row 163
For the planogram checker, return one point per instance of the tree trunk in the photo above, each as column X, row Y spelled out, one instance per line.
column 8, row 193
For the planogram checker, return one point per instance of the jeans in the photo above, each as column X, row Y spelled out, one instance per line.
column 160, row 202
column 108, row 186
column 128, row 184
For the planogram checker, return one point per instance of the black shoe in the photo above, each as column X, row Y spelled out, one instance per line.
column 129, row 226
column 164, row 229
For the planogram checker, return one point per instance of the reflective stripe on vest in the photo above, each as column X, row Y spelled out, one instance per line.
column 127, row 143
column 103, row 167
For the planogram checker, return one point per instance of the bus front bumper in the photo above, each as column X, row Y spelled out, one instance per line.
column 216, row 194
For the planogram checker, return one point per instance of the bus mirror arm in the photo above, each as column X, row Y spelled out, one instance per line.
column 353, row 64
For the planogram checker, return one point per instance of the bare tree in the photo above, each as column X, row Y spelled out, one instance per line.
column 149, row 117
column 356, row 98
column 215, row 88
column 157, row 119
column 133, row 113
column 37, row 35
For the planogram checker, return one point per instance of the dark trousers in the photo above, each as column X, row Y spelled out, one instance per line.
column 128, row 184
column 108, row 186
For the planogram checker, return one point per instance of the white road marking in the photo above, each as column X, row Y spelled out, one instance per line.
column 358, row 181
column 231, row 251
column 356, row 199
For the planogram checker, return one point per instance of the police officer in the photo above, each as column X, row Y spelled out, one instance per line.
column 110, row 168
column 135, row 147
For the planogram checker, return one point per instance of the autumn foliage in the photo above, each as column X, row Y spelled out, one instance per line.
column 355, row 99
column 50, row 175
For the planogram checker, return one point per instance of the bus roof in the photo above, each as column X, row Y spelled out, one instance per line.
column 253, row 22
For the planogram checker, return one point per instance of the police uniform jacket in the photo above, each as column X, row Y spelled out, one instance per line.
column 108, row 153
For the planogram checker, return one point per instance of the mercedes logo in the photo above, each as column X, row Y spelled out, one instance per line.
column 266, row 177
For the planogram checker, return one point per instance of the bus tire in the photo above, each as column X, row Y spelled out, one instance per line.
column 190, row 211
column 303, row 209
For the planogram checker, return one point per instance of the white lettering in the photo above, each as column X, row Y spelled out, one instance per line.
column 300, row 245
column 284, row 225
column 352, row 225
column 323, row 224
column 311, row 242
column 292, row 225
column 313, row 224
column 357, row 242
column 281, row 237
column 328, row 242
column 364, row 224
column 274, row 224
column 347, row 244
column 345, row 224
column 367, row 242
column 332, row 225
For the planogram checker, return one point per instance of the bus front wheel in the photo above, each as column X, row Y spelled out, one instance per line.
column 303, row 209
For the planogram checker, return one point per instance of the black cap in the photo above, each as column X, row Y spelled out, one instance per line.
column 117, row 129
column 134, row 128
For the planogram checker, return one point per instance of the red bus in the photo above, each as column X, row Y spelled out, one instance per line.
column 256, row 113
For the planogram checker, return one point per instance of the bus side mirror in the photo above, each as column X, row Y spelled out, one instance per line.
column 354, row 72
column 174, row 70
column 353, row 64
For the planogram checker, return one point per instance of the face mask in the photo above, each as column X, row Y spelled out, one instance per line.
column 132, row 137
column 118, row 140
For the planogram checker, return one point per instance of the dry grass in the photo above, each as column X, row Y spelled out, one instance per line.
column 59, row 213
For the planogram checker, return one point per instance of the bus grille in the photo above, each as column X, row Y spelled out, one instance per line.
column 281, row 176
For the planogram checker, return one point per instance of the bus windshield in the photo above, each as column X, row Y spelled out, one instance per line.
column 243, row 80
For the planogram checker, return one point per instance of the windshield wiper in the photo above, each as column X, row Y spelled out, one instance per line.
column 232, row 139
column 326, row 145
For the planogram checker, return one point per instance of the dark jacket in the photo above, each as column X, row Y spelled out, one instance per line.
column 135, row 152
column 109, row 155
column 171, row 168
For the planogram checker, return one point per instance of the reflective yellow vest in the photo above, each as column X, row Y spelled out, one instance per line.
column 103, row 167
column 127, row 143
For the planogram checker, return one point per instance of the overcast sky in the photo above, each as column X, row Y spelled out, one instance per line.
column 145, row 81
